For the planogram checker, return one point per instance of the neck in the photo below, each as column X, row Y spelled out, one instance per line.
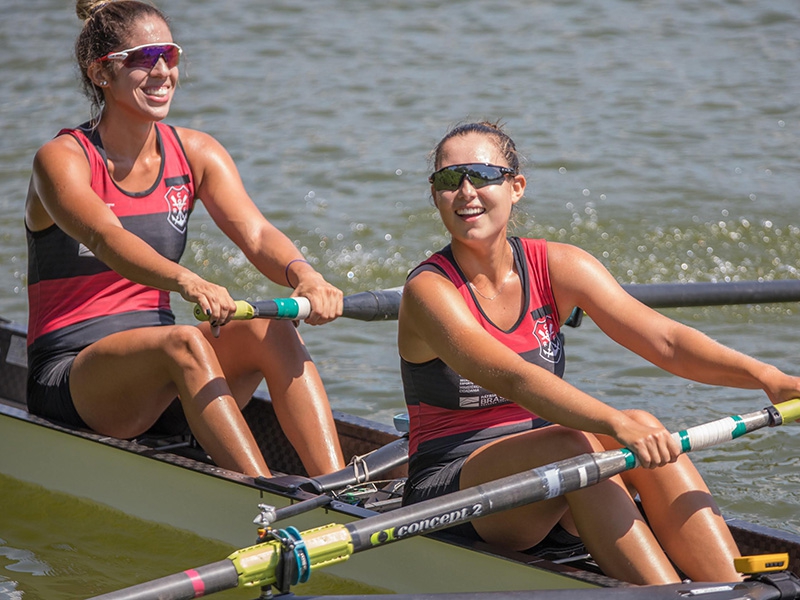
column 126, row 139
column 487, row 271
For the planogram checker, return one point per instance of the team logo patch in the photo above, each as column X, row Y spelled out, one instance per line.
column 177, row 198
column 549, row 342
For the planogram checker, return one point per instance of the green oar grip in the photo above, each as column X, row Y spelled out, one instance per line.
column 789, row 410
column 244, row 310
column 326, row 545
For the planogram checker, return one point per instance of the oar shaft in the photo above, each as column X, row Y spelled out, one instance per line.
column 193, row 583
column 377, row 305
column 530, row 486
column 673, row 295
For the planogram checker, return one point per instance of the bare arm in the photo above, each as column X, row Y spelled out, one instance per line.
column 581, row 280
column 221, row 190
column 61, row 193
column 427, row 331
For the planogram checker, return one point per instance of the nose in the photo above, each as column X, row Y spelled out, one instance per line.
column 161, row 65
column 466, row 187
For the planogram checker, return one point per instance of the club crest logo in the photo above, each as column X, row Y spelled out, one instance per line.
column 549, row 342
column 177, row 198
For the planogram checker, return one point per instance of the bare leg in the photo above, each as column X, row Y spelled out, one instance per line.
column 605, row 515
column 250, row 351
column 684, row 516
column 122, row 383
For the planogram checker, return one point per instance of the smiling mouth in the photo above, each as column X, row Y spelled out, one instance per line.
column 470, row 212
column 158, row 92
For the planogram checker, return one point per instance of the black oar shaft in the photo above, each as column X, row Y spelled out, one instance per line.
column 509, row 492
column 378, row 305
column 194, row 583
column 673, row 295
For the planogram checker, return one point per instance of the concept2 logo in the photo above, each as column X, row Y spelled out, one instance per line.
column 420, row 526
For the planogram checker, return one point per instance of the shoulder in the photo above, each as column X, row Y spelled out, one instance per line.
column 63, row 152
column 569, row 259
column 208, row 158
column 196, row 140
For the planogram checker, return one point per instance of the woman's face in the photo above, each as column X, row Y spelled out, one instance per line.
column 141, row 92
column 482, row 213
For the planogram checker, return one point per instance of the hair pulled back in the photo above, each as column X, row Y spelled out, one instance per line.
column 492, row 130
column 105, row 26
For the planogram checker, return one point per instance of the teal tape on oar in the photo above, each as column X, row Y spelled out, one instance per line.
column 287, row 308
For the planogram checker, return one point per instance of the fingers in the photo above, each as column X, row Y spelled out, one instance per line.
column 326, row 302
column 214, row 300
column 647, row 438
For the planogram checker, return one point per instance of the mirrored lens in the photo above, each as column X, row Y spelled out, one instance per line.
column 479, row 175
column 148, row 56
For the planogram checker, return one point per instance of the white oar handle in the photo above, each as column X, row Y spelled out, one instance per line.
column 729, row 428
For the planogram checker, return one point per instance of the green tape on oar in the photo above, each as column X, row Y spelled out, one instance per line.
column 244, row 310
column 789, row 410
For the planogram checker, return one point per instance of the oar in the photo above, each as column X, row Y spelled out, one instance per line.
column 677, row 295
column 673, row 295
column 384, row 304
column 377, row 305
column 290, row 558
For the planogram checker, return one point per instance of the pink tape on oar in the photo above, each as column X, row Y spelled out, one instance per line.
column 197, row 582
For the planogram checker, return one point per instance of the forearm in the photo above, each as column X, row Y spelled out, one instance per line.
column 134, row 259
column 551, row 398
column 274, row 255
column 691, row 354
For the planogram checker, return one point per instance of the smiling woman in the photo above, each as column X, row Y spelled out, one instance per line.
column 106, row 217
column 483, row 381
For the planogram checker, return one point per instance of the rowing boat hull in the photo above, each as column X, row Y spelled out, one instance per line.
column 163, row 485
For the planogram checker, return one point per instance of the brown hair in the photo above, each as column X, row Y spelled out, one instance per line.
column 105, row 24
column 493, row 130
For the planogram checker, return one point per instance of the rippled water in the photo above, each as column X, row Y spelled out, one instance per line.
column 662, row 137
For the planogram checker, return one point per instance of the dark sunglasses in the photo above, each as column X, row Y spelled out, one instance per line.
column 146, row 56
column 479, row 175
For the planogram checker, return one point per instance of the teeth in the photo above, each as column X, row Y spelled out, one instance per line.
column 159, row 91
column 468, row 212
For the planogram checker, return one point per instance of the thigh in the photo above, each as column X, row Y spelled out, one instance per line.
column 524, row 527
column 121, row 384
column 250, row 351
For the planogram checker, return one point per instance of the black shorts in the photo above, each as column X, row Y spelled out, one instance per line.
column 48, row 392
column 49, row 397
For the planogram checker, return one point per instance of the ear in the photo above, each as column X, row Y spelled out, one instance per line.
column 98, row 74
column 518, row 188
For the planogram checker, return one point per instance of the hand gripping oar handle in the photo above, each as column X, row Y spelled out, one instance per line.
column 265, row 564
column 377, row 305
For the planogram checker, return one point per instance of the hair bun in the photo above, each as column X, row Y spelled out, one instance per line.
column 85, row 9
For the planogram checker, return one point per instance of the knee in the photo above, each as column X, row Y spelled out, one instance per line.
column 187, row 345
column 578, row 442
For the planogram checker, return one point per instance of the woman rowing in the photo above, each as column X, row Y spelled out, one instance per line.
column 482, row 360
column 106, row 219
